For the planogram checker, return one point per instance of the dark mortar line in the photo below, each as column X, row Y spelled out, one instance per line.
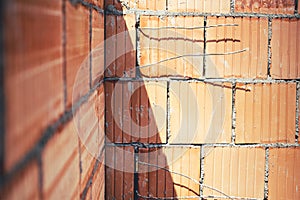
column 297, row 112
column 136, row 173
column 232, row 6
column 40, row 176
column 197, row 145
column 47, row 134
column 201, row 14
column 205, row 80
column 269, row 47
column 64, row 45
column 233, row 115
column 266, row 177
column 105, row 110
column 202, row 174
column 168, row 128
column 90, row 47
column 137, row 43
column 296, row 7
column 2, row 95
column 86, row 4
column 204, row 47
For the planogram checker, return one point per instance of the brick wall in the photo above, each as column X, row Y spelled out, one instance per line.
column 199, row 98
column 225, row 75
column 45, row 44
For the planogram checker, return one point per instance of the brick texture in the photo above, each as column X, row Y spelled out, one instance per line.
column 33, row 59
column 250, row 34
column 170, row 185
column 205, row 6
column 285, row 48
column 284, row 179
column 265, row 113
column 158, row 45
column 61, row 165
column 120, row 46
column 25, row 182
column 119, row 172
column 135, row 111
column 235, row 171
column 265, row 6
column 97, row 48
column 200, row 113
column 77, row 50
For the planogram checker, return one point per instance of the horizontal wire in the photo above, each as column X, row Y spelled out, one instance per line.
column 194, row 55
column 187, row 28
column 169, row 198
column 183, row 175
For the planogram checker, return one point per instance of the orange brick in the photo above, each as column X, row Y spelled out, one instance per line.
column 33, row 82
column 136, row 111
column 98, row 185
column 77, row 51
column 151, row 4
column 265, row 113
column 206, row 6
column 235, row 171
column 87, row 161
column 119, row 172
column 120, row 46
column 99, row 3
column 285, row 48
column 284, row 178
column 265, row 6
column 163, row 45
column 97, row 47
column 200, row 112
column 250, row 34
column 24, row 184
column 159, row 183
column 60, row 160
column 89, row 121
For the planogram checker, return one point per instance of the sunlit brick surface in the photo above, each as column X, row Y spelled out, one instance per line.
column 265, row 113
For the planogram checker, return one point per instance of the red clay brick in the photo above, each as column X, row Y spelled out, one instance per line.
column 265, row 6
column 77, row 50
column 140, row 114
column 284, row 178
column 265, row 113
column 151, row 4
column 159, row 183
column 89, row 120
column 285, row 46
column 33, row 82
column 24, row 184
column 250, row 33
column 60, row 160
column 206, row 6
column 119, row 172
column 235, row 171
column 161, row 44
column 120, row 46
column 97, row 47
column 99, row 3
column 196, row 108
column 98, row 185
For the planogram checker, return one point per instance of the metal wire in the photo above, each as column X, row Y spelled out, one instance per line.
column 194, row 55
column 186, row 28
column 185, row 176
